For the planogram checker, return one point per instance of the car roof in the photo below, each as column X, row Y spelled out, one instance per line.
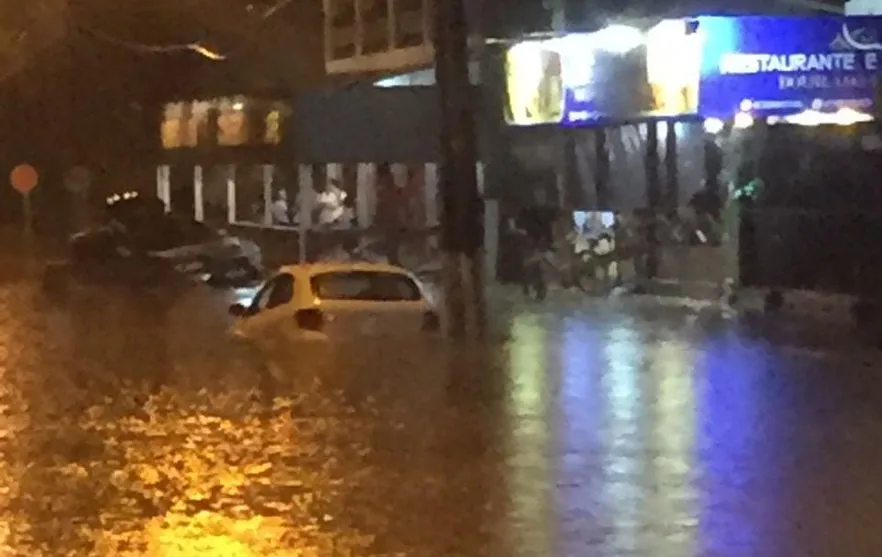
column 343, row 267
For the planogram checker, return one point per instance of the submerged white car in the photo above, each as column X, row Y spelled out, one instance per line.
column 331, row 301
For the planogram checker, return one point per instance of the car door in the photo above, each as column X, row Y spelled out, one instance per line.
column 271, row 309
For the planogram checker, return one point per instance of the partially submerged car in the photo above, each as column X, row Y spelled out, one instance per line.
column 139, row 243
column 337, row 301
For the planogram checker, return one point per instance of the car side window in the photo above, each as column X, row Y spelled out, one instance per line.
column 366, row 286
column 278, row 291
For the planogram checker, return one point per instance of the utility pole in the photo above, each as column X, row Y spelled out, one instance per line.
column 462, row 216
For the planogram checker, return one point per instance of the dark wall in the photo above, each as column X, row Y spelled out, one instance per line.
column 361, row 124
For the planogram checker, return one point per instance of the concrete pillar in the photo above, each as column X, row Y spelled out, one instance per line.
column 305, row 198
column 267, row 183
column 430, row 191
column 231, row 194
column 334, row 172
column 365, row 194
column 198, row 195
column 163, row 185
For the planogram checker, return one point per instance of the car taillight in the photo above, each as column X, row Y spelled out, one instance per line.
column 431, row 321
column 310, row 319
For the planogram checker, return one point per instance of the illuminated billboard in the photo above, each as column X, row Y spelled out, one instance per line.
column 786, row 65
column 618, row 72
column 716, row 67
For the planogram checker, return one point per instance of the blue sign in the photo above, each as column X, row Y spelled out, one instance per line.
column 786, row 65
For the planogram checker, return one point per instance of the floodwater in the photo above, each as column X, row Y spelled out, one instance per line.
column 135, row 427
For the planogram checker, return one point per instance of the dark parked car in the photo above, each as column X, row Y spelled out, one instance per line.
column 139, row 244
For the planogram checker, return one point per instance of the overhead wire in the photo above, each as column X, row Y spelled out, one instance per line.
column 197, row 47
column 98, row 34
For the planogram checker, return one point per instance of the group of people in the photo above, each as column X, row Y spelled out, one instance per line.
column 329, row 208
column 543, row 239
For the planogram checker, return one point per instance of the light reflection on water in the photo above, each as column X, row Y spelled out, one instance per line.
column 628, row 409
column 622, row 446
column 616, row 436
column 529, row 477
column 729, row 429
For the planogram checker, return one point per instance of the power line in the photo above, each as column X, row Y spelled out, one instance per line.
column 196, row 47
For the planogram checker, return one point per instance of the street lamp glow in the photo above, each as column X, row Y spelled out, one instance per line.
column 714, row 126
column 206, row 52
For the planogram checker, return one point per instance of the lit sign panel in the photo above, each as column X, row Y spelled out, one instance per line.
column 618, row 72
column 780, row 66
column 715, row 67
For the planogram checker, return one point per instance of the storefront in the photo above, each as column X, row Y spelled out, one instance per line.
column 722, row 85
column 791, row 102
column 630, row 119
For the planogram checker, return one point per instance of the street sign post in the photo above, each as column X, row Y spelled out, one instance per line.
column 24, row 178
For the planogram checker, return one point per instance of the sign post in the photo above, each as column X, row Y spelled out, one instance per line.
column 24, row 178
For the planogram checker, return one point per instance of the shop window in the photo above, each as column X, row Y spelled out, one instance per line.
column 179, row 126
column 227, row 122
column 232, row 123
column 273, row 131
column 172, row 123
column 189, row 126
column 199, row 125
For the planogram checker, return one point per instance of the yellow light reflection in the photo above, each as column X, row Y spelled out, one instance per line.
column 231, row 489
column 528, row 354
column 208, row 533
column 529, row 478
column 650, row 433
column 672, row 443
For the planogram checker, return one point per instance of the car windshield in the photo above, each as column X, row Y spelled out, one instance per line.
column 374, row 286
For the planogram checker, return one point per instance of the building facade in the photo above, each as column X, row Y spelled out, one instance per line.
column 370, row 36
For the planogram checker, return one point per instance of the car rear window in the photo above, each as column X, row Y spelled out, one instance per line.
column 365, row 286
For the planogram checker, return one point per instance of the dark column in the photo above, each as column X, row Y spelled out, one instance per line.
column 672, row 178
column 462, row 209
column 713, row 164
column 653, row 200
column 571, row 193
column 601, row 170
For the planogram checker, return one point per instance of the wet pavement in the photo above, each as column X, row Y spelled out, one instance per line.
column 135, row 427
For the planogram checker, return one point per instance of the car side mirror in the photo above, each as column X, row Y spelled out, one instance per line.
column 238, row 310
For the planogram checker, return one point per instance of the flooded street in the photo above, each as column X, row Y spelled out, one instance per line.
column 593, row 430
